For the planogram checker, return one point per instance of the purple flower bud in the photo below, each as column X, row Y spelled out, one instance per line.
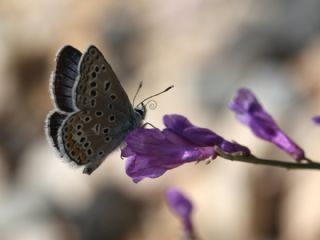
column 152, row 152
column 182, row 207
column 250, row 112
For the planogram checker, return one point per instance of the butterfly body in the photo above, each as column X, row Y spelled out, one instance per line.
column 93, row 113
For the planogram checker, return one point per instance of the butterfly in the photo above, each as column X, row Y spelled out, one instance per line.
column 92, row 114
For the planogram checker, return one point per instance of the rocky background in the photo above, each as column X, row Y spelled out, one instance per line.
column 207, row 49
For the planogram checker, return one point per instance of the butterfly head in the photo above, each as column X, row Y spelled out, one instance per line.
column 140, row 110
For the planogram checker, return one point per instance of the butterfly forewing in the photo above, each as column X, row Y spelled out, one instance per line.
column 98, row 86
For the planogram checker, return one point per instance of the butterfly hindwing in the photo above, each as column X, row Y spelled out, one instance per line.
column 88, row 136
column 53, row 123
column 64, row 77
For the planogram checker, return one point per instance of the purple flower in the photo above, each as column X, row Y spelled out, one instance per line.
column 250, row 112
column 182, row 207
column 152, row 152
column 316, row 119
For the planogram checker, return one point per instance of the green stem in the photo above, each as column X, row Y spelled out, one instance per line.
column 311, row 165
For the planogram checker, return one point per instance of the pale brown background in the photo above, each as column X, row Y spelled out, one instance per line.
column 207, row 49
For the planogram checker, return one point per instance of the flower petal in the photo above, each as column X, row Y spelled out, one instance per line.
column 154, row 152
column 176, row 123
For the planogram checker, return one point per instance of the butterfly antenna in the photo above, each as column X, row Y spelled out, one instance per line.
column 167, row 89
column 138, row 90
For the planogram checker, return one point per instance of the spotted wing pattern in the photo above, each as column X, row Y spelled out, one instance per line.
column 98, row 86
column 104, row 114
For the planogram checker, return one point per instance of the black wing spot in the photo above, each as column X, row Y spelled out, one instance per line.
column 106, row 130
column 93, row 93
column 107, row 86
column 86, row 144
column 89, row 151
column 112, row 118
column 87, row 119
column 93, row 74
column 96, row 128
column 113, row 97
column 99, row 113
column 100, row 153
column 93, row 102
column 93, row 84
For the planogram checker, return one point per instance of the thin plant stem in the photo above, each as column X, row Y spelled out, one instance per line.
column 310, row 165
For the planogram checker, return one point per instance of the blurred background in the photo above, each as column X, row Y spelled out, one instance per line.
column 207, row 49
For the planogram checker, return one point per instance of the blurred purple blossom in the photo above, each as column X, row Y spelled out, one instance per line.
column 250, row 112
column 182, row 207
column 316, row 119
column 152, row 152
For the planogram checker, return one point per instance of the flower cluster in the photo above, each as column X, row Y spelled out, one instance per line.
column 152, row 152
